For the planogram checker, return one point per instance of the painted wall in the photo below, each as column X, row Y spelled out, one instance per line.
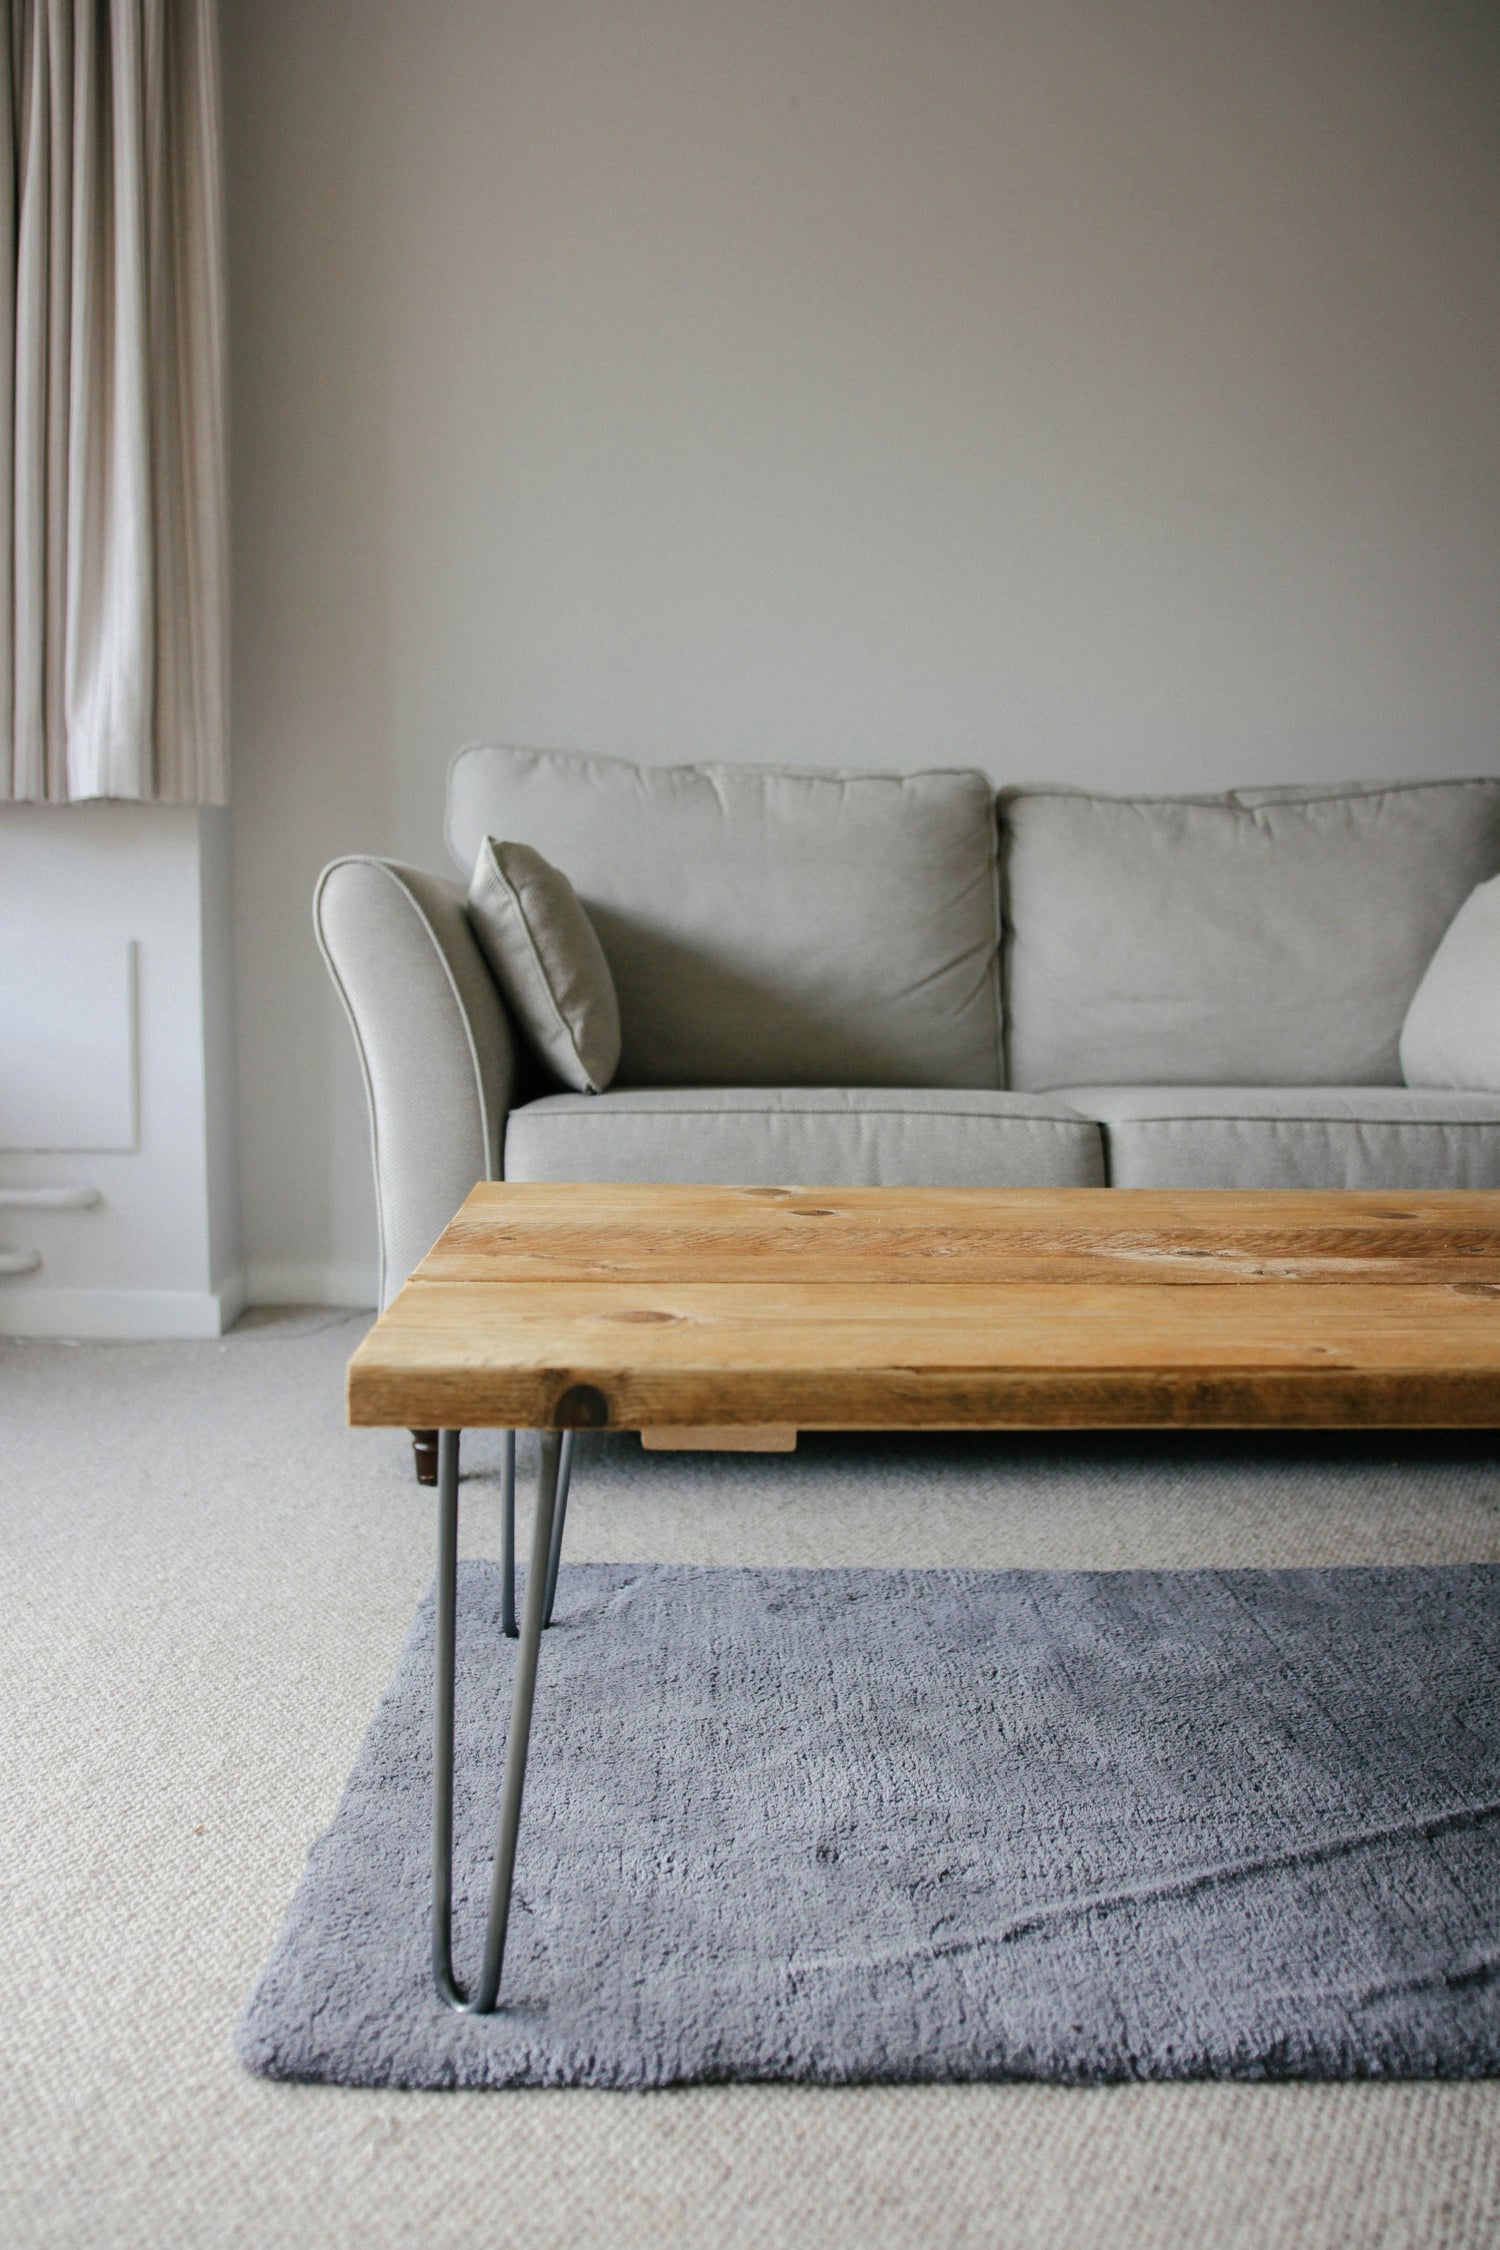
column 159, row 1254
column 1094, row 393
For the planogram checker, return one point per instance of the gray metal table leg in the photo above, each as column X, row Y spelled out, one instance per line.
column 508, row 1537
column 508, row 1530
column 482, row 2000
column 564, row 1480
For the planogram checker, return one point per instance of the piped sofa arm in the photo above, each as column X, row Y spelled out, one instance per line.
column 434, row 1044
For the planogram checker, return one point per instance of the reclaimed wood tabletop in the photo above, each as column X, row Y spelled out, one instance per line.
column 751, row 1313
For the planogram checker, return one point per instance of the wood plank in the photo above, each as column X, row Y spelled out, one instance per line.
column 749, row 1352
column 515, row 1231
column 586, row 1205
column 1041, row 1324
column 449, row 1396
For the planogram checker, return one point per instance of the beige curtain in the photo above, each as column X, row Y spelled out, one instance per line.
column 113, row 567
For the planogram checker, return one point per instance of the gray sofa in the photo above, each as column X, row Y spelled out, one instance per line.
column 834, row 979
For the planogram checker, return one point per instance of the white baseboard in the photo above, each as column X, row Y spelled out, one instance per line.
column 126, row 1315
column 139, row 1315
column 354, row 1286
column 232, row 1300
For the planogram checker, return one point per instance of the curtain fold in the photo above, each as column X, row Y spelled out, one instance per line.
column 113, row 507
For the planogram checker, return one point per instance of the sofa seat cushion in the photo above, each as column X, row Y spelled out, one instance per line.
column 767, row 927
column 1399, row 1137
column 805, row 1136
column 1271, row 937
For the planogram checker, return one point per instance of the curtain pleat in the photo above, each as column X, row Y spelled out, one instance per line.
column 113, row 580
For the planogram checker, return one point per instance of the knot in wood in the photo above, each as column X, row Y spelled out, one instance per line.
column 582, row 1407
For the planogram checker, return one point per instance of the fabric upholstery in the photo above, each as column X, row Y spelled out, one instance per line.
column 1451, row 1036
column 546, row 959
column 855, row 1137
column 1294, row 1136
column 434, row 1045
column 1268, row 937
column 767, row 927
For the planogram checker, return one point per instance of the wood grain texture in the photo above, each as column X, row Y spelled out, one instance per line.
column 657, row 1307
column 519, row 1231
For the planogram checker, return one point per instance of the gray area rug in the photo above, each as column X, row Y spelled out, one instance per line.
column 843, row 1825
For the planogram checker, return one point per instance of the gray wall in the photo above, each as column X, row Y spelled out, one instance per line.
column 1094, row 392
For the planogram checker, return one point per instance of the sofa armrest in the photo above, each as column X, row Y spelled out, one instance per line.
column 434, row 1044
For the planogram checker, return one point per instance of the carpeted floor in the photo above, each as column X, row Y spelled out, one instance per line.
column 206, row 1583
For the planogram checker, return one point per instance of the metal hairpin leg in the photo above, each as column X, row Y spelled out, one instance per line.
column 508, row 1537
column 482, row 2000
column 508, row 1531
column 554, row 1557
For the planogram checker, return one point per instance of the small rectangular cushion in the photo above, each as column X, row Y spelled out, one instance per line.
column 767, row 927
column 805, row 1137
column 1268, row 937
column 1294, row 1136
column 546, row 958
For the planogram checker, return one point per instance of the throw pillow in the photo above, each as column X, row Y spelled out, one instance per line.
column 1451, row 1036
column 547, row 960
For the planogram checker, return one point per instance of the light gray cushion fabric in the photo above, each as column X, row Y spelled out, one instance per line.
column 767, row 927
column 434, row 1044
column 1294, row 1136
column 1451, row 1036
column 548, row 963
column 1269, row 937
column 813, row 1137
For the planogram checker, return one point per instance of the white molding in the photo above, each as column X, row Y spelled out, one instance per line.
column 354, row 1287
column 232, row 1299
column 49, row 1198
column 126, row 1315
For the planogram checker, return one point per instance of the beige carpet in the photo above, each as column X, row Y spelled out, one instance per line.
column 206, row 1579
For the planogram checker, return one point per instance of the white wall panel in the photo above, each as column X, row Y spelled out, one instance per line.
column 67, row 1041
column 108, row 915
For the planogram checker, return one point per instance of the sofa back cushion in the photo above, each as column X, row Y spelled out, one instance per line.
column 1268, row 937
column 768, row 927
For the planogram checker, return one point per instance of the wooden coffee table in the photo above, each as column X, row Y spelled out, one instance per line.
column 738, row 1316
